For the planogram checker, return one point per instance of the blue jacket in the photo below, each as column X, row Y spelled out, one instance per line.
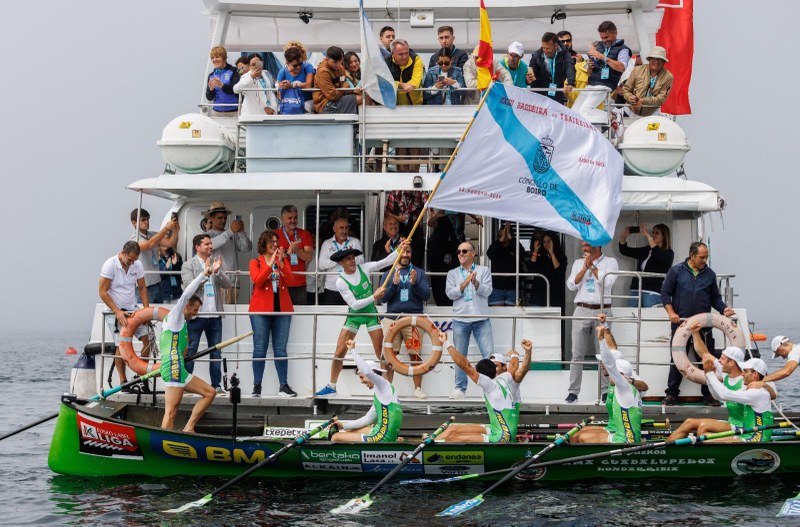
column 438, row 97
column 229, row 77
column 690, row 294
column 417, row 293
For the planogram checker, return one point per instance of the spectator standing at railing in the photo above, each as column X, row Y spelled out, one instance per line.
column 298, row 245
column 608, row 58
column 655, row 257
column 565, row 39
column 352, row 67
column 170, row 261
column 548, row 259
column 446, row 78
column 469, row 286
column 340, row 241
column 227, row 244
column 406, row 206
column 649, row 84
column 329, row 80
column 270, row 272
column 390, row 240
column 470, row 71
column 212, row 297
column 590, row 276
column 521, row 75
column 446, row 234
column 689, row 288
column 242, row 65
column 504, row 253
column 447, row 41
column 386, row 37
column 406, row 292
column 553, row 68
column 256, row 85
column 148, row 243
column 407, row 70
column 221, row 82
column 295, row 75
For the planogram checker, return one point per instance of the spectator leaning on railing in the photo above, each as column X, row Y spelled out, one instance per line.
column 256, row 85
column 648, row 86
column 221, row 82
column 330, row 78
column 445, row 78
column 553, row 68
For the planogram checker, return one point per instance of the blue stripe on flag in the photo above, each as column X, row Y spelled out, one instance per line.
column 388, row 92
column 568, row 205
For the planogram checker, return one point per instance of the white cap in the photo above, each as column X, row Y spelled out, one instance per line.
column 374, row 366
column 625, row 368
column 617, row 354
column 735, row 354
column 777, row 342
column 756, row 364
column 516, row 48
column 499, row 357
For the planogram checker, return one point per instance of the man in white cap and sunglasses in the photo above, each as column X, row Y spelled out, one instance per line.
column 521, row 75
column 782, row 346
column 649, row 84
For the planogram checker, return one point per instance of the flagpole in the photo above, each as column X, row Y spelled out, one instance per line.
column 441, row 178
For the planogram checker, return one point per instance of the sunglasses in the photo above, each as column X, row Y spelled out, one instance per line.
column 444, row 63
column 566, row 41
column 464, row 251
column 295, row 64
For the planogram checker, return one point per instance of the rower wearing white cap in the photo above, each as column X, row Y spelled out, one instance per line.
column 625, row 412
column 782, row 346
column 385, row 415
column 755, row 401
column 728, row 370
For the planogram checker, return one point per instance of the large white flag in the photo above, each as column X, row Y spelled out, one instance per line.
column 532, row 160
column 376, row 79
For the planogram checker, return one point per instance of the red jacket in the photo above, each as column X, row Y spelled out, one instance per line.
column 261, row 275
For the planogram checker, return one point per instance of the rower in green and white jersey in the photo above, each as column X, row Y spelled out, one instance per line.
column 625, row 415
column 500, row 385
column 756, row 402
column 382, row 422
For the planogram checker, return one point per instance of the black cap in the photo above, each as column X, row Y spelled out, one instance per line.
column 338, row 256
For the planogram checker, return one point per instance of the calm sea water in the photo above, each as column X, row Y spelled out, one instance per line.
column 35, row 372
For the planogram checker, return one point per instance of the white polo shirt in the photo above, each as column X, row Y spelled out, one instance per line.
column 123, row 285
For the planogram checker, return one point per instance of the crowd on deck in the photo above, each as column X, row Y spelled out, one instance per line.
column 554, row 70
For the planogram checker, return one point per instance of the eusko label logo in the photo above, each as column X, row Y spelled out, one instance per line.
column 103, row 438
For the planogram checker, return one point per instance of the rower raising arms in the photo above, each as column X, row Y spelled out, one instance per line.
column 728, row 370
column 385, row 415
column 174, row 340
column 756, row 401
column 500, row 390
column 625, row 414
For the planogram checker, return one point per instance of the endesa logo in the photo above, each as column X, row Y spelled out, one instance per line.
column 177, row 447
column 103, row 438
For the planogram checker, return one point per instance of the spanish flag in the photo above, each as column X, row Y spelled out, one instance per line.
column 485, row 57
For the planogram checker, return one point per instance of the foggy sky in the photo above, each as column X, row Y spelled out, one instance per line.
column 89, row 85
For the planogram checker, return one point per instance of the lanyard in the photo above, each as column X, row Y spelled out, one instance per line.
column 463, row 273
column 296, row 236
column 404, row 279
column 652, row 85
column 339, row 248
column 553, row 66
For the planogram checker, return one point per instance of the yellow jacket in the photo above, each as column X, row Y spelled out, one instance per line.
column 414, row 64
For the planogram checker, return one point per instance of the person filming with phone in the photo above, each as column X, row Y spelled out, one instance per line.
column 443, row 80
column 654, row 257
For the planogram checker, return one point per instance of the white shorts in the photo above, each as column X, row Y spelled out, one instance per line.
column 175, row 384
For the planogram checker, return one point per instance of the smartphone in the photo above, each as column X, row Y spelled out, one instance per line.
column 441, row 78
column 239, row 218
column 634, row 229
column 174, row 215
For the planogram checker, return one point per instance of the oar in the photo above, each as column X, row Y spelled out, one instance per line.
column 112, row 391
column 302, row 438
column 551, row 437
column 358, row 504
column 607, row 453
column 458, row 508
column 560, row 426
column 791, row 507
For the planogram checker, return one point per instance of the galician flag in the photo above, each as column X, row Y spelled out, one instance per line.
column 376, row 79
column 485, row 59
column 529, row 159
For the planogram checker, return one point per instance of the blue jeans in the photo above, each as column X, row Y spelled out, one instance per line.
column 154, row 294
column 503, row 297
column 262, row 326
column 649, row 298
column 213, row 329
column 482, row 329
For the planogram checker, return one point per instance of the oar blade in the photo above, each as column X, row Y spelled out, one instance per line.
column 462, row 507
column 353, row 506
column 194, row 504
column 791, row 507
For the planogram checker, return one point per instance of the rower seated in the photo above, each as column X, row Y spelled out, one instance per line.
column 756, row 401
column 625, row 402
column 385, row 416
column 500, row 385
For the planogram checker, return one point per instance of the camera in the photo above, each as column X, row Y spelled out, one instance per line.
column 634, row 229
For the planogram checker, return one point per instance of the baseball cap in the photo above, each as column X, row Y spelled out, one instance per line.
column 776, row 343
column 735, row 354
column 516, row 48
column 374, row 366
column 499, row 357
column 756, row 364
column 625, row 367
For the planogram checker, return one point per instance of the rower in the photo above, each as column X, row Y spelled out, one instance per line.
column 756, row 402
column 785, row 348
column 174, row 340
column 356, row 289
column 728, row 370
column 625, row 412
column 385, row 414
column 500, row 385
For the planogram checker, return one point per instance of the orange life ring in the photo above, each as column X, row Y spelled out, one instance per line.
column 415, row 322
column 143, row 316
column 683, row 334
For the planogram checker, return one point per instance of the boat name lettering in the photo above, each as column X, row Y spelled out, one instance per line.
column 206, row 451
column 670, row 461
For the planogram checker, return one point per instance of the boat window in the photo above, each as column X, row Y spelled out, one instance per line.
column 327, row 214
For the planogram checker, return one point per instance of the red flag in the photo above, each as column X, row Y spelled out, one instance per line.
column 485, row 58
column 676, row 35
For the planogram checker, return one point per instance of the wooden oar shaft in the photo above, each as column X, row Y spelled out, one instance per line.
column 427, row 441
